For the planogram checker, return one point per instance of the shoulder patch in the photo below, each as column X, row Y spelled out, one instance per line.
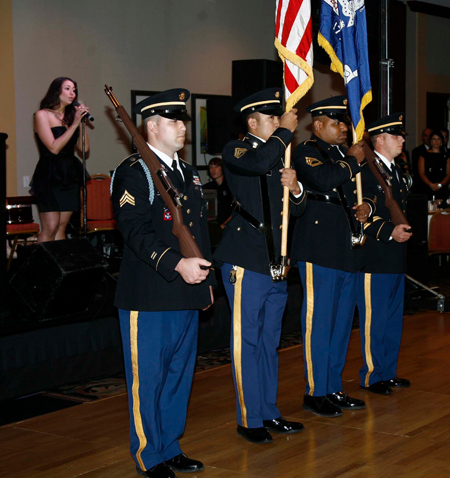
column 239, row 152
column 313, row 162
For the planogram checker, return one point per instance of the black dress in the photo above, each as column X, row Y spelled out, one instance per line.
column 435, row 171
column 57, row 178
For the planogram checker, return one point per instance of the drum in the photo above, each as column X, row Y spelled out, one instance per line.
column 19, row 214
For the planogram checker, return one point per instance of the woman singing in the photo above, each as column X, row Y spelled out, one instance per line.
column 434, row 169
column 58, row 174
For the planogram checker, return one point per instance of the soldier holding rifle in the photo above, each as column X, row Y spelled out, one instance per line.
column 160, row 291
column 250, row 252
column 382, row 281
column 323, row 246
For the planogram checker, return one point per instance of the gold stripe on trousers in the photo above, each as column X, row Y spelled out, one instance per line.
column 368, row 324
column 309, row 320
column 237, row 341
column 135, row 388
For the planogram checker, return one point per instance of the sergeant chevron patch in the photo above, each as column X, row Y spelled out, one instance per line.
column 239, row 152
column 313, row 162
column 127, row 198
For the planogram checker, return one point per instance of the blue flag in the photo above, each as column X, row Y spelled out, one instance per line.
column 343, row 35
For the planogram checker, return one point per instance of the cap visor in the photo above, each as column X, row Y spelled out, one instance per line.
column 177, row 116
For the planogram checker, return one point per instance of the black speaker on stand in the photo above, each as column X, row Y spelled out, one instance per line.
column 59, row 279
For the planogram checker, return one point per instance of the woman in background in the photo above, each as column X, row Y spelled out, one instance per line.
column 434, row 169
column 58, row 175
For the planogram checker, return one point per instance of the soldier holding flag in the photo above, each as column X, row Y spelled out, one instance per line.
column 322, row 246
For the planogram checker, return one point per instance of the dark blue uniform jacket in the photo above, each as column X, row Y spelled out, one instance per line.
column 322, row 235
column 147, row 280
column 382, row 255
column 244, row 161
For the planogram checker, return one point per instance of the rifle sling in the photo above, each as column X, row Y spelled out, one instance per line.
column 266, row 226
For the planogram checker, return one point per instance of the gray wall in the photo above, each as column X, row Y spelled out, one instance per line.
column 135, row 44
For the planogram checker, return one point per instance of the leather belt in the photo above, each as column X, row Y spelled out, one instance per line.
column 323, row 198
column 247, row 216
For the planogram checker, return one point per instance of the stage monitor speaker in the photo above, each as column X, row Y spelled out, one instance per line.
column 250, row 76
column 220, row 123
column 60, row 278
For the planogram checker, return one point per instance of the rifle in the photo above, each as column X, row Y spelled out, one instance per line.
column 384, row 180
column 169, row 194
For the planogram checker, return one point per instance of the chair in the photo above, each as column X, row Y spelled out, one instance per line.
column 99, row 211
column 439, row 234
column 14, row 231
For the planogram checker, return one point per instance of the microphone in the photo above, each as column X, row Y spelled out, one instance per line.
column 88, row 116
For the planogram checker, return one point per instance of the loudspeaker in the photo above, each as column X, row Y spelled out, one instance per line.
column 60, row 278
column 220, row 122
column 250, row 76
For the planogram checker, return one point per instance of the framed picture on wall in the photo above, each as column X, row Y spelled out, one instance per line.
column 200, row 155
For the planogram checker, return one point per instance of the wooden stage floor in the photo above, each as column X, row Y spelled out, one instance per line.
column 405, row 434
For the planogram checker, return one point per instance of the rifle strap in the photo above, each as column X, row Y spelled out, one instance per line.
column 267, row 218
column 266, row 226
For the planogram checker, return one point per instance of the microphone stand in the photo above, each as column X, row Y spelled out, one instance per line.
column 83, row 150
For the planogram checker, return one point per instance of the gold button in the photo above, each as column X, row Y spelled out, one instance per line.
column 353, row 180
column 401, row 190
column 188, row 211
column 238, row 228
column 193, row 237
column 317, row 222
column 185, row 198
column 354, row 192
column 191, row 224
column 334, row 189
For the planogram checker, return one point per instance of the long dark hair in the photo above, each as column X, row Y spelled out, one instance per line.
column 51, row 99
column 438, row 133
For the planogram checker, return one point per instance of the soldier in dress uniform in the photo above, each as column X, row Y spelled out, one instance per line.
column 251, row 242
column 322, row 245
column 382, row 281
column 159, row 292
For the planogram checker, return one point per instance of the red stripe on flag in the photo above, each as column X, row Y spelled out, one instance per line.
column 289, row 19
column 277, row 18
column 289, row 79
column 305, row 44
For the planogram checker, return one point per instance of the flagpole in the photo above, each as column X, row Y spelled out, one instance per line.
column 359, row 197
column 285, row 213
column 293, row 40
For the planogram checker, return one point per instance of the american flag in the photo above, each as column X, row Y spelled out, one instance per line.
column 293, row 40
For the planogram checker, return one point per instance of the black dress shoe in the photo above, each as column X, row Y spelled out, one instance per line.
column 321, row 406
column 281, row 425
column 342, row 400
column 379, row 387
column 255, row 435
column 398, row 382
column 184, row 464
column 158, row 471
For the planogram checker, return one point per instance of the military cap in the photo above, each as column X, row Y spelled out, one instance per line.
column 334, row 107
column 266, row 101
column 170, row 104
column 392, row 124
